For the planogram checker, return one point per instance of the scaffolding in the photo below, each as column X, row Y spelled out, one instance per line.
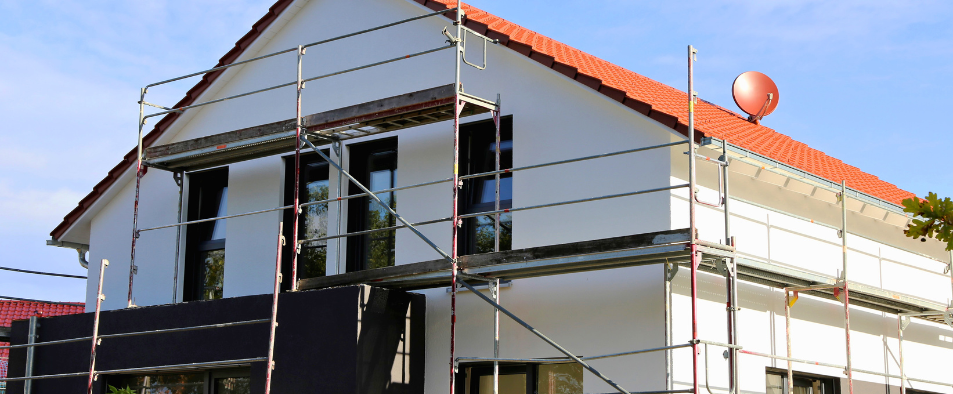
column 450, row 102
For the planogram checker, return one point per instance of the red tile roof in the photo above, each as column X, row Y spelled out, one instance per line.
column 661, row 102
column 16, row 310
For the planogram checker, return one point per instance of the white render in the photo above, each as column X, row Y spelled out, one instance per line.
column 554, row 118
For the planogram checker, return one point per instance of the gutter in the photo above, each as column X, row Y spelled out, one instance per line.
column 820, row 182
column 80, row 248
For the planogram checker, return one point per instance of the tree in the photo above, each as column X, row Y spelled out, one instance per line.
column 933, row 218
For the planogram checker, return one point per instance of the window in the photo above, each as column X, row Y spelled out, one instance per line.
column 521, row 379
column 184, row 383
column 374, row 164
column 205, row 242
column 777, row 383
column 478, row 154
column 229, row 381
column 313, row 222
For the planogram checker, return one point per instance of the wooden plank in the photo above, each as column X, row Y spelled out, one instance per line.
column 505, row 257
column 390, row 106
column 221, row 140
column 383, row 106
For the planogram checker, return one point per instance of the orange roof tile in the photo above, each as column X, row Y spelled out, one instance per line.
column 654, row 99
column 16, row 310
column 669, row 105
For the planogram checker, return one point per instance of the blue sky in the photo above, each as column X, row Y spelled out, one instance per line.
column 864, row 81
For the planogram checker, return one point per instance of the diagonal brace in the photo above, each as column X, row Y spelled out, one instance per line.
column 544, row 338
column 376, row 199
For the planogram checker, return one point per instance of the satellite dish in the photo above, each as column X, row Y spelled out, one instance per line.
column 755, row 94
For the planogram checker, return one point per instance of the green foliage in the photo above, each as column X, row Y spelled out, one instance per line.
column 127, row 390
column 934, row 218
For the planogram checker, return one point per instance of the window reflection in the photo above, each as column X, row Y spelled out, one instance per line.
column 193, row 383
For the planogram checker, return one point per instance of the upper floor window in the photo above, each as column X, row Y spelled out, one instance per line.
column 205, row 242
column 478, row 154
column 777, row 383
column 374, row 164
column 313, row 222
column 521, row 378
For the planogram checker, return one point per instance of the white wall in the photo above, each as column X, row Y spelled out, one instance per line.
column 554, row 118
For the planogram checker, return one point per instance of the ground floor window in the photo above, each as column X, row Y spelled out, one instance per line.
column 521, row 379
column 804, row 383
column 231, row 381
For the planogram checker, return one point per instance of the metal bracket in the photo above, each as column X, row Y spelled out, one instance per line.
column 673, row 269
column 947, row 269
column 948, row 317
column 177, row 177
column 336, row 146
column 904, row 322
column 135, row 269
column 722, row 266
column 450, row 38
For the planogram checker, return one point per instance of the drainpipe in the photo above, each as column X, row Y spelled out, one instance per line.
column 80, row 248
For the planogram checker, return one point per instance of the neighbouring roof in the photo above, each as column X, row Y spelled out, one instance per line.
column 16, row 310
column 663, row 103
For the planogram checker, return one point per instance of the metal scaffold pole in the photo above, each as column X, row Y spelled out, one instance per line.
column 99, row 303
column 135, row 207
column 179, row 178
column 495, row 286
column 297, row 208
column 850, row 370
column 273, row 325
column 691, row 214
column 787, row 338
column 455, row 217
column 496, row 205
column 731, row 278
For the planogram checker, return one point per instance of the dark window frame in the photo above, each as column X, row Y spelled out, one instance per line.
column 834, row 382
column 474, row 137
column 359, row 157
column 198, row 235
column 208, row 376
column 306, row 160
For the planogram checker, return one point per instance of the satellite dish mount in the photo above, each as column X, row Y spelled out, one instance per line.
column 755, row 94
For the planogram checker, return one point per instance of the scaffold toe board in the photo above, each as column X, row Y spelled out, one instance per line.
column 379, row 116
column 616, row 252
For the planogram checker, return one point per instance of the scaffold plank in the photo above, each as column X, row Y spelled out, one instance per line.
column 373, row 117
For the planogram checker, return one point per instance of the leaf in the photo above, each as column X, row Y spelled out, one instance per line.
column 934, row 218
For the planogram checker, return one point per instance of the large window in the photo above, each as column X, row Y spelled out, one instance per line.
column 228, row 381
column 521, row 379
column 313, row 222
column 777, row 383
column 478, row 154
column 205, row 242
column 374, row 164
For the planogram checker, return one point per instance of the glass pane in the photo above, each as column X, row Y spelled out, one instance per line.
column 775, row 384
column 311, row 262
column 213, row 265
column 240, row 385
column 380, row 245
column 489, row 190
column 509, row 384
column 161, row 384
column 559, row 379
column 486, row 232
column 218, row 232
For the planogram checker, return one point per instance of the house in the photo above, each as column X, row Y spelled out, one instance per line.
column 11, row 310
column 585, row 236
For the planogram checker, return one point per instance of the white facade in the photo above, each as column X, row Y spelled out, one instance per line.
column 553, row 118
